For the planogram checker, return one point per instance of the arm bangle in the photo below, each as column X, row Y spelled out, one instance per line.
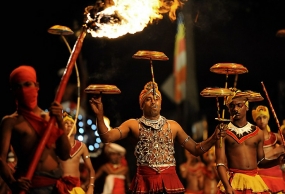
column 200, row 144
column 220, row 164
column 184, row 142
column 260, row 161
column 91, row 184
column 88, row 156
column 120, row 132
column 92, row 177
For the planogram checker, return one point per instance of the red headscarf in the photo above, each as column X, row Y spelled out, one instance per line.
column 23, row 73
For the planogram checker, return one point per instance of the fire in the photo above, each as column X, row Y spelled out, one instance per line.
column 129, row 16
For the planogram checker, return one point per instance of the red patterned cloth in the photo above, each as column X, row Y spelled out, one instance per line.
column 42, row 181
column 119, row 186
column 75, row 148
column 271, row 141
column 273, row 178
column 67, row 183
column 241, row 138
column 147, row 180
column 39, row 125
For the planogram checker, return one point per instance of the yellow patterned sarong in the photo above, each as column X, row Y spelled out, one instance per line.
column 245, row 180
column 77, row 190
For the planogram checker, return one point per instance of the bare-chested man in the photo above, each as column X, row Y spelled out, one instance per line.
column 271, row 176
column 193, row 172
column 24, row 129
column 211, row 178
column 154, row 136
column 70, row 181
column 242, row 152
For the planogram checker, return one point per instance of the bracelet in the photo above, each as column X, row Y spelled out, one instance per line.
column 88, row 156
column 91, row 184
column 260, row 160
column 200, row 144
column 220, row 164
column 184, row 142
column 120, row 132
column 92, row 177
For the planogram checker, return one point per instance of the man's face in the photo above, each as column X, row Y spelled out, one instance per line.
column 151, row 105
column 25, row 93
column 68, row 124
column 237, row 109
column 115, row 157
column 23, row 84
column 262, row 121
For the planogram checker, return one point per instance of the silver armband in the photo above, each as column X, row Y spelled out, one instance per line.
column 221, row 164
column 187, row 139
column 260, row 160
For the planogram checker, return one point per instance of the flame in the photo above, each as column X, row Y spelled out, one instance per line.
column 129, row 16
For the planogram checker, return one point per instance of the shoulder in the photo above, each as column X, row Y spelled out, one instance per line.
column 10, row 119
column 173, row 124
column 83, row 145
column 131, row 123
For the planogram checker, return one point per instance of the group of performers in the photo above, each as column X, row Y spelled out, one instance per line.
column 242, row 150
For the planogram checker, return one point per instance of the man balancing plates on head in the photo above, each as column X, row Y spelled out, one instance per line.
column 271, row 176
column 154, row 148
column 242, row 152
column 24, row 129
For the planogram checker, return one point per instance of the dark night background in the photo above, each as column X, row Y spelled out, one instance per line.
column 236, row 31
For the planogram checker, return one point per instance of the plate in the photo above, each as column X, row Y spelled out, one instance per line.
column 251, row 96
column 216, row 92
column 102, row 89
column 60, row 30
column 228, row 68
column 150, row 55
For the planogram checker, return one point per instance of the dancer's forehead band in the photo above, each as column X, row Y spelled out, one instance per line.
column 67, row 117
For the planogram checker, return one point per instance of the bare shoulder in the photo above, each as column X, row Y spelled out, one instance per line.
column 84, row 146
column 131, row 123
column 174, row 124
column 10, row 120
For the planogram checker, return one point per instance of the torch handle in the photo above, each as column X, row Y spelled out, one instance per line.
column 273, row 112
column 58, row 98
column 78, row 87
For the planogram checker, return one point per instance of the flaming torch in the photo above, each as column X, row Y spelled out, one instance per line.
column 110, row 20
